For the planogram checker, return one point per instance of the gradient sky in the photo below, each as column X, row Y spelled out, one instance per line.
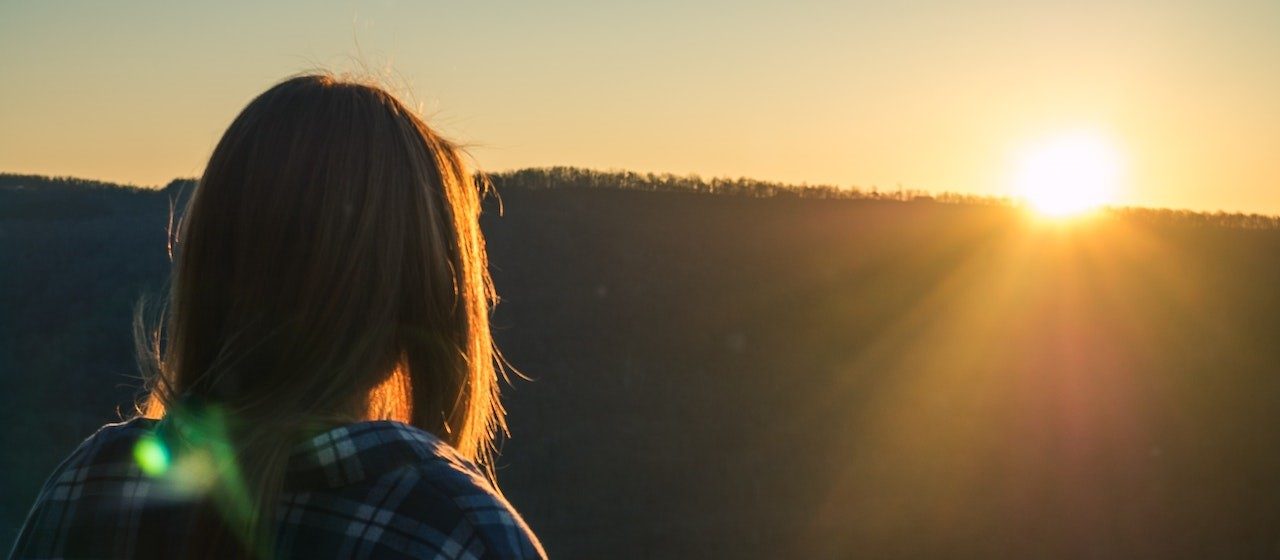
column 935, row 95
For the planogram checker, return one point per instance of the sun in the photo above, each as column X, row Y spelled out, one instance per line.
column 1069, row 174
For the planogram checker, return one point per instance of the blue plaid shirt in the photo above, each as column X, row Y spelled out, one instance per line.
column 378, row 489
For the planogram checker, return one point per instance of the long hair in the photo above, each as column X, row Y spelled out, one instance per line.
column 329, row 267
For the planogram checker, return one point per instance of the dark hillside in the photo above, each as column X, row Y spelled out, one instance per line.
column 759, row 373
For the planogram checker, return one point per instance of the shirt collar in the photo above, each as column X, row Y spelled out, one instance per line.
column 354, row 452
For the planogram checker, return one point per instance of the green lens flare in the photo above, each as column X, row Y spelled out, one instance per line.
column 152, row 456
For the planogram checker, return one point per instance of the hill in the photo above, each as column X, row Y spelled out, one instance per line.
column 757, row 371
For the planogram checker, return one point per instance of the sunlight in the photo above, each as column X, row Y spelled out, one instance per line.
column 1068, row 175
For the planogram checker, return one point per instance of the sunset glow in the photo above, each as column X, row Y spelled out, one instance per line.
column 933, row 95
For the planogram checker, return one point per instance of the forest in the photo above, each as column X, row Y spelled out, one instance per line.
column 734, row 368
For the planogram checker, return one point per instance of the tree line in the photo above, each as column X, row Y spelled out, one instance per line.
column 535, row 178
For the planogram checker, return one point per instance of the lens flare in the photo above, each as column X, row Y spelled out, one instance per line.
column 152, row 456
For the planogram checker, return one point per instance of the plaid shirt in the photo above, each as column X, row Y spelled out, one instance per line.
column 376, row 489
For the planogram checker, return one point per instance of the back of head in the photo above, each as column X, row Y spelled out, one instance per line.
column 329, row 267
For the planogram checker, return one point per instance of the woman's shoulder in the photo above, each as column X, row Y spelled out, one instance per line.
column 109, row 454
column 116, row 432
column 102, row 465
column 409, row 488
column 364, row 452
column 109, row 445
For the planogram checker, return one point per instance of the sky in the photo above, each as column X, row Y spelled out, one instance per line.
column 932, row 95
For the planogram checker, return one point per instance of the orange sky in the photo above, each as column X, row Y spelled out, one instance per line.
column 936, row 95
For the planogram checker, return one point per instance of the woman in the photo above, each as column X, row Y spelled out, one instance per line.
column 325, row 384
